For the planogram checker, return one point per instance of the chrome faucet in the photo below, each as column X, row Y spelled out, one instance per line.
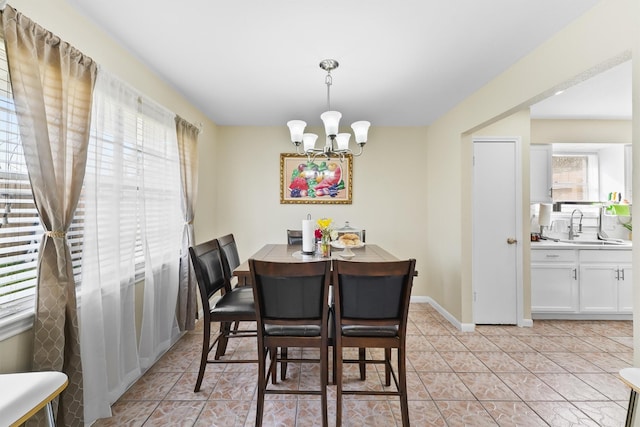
column 572, row 232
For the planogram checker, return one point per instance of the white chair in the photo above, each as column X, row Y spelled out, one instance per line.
column 24, row 394
column 631, row 377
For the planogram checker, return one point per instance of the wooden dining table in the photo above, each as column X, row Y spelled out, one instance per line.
column 293, row 253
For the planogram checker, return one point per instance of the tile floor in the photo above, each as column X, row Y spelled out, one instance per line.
column 557, row 373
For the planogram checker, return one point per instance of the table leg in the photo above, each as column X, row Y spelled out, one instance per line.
column 631, row 411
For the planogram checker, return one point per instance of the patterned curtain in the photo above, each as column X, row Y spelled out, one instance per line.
column 52, row 84
column 188, row 150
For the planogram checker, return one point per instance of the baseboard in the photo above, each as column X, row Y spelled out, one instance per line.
column 464, row 327
column 527, row 323
column 587, row 316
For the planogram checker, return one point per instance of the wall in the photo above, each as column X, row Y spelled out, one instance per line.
column 389, row 191
column 597, row 41
column 58, row 17
column 580, row 131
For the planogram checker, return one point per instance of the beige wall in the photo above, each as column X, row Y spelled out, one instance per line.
column 583, row 131
column 599, row 40
column 389, row 191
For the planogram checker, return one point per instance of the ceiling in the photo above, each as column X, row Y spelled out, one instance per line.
column 402, row 63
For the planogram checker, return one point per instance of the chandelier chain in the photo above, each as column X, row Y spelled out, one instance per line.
column 328, row 81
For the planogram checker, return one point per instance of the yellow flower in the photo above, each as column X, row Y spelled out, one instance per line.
column 324, row 223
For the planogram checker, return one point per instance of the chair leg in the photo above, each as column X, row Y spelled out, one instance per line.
column 334, row 362
column 402, row 385
column 362, row 356
column 387, row 367
column 631, row 411
column 206, row 337
column 283, row 365
column 337, row 376
column 262, row 385
column 273, row 366
column 324, row 378
column 222, row 341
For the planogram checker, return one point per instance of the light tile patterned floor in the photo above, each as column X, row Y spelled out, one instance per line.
column 557, row 373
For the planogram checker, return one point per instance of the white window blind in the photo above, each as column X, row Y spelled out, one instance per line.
column 124, row 142
column 20, row 229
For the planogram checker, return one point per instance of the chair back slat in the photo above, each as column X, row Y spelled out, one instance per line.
column 290, row 291
column 379, row 297
column 373, row 290
column 230, row 257
column 292, row 297
column 207, row 265
column 294, row 237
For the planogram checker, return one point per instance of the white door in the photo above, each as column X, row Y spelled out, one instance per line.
column 496, row 198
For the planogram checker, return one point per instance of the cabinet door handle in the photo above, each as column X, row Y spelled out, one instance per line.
column 552, row 256
column 575, row 274
column 622, row 274
column 617, row 274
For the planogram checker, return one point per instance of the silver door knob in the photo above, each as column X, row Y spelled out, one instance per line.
column 511, row 240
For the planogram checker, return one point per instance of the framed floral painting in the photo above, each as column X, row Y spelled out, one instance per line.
column 316, row 181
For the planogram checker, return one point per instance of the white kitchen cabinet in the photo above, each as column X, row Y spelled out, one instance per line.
column 540, row 173
column 625, row 289
column 581, row 282
column 605, row 282
column 554, row 281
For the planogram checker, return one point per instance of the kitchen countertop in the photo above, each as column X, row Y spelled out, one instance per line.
column 589, row 244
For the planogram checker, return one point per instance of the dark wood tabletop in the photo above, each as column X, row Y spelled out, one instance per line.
column 292, row 253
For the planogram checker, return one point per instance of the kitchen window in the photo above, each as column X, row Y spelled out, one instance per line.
column 575, row 177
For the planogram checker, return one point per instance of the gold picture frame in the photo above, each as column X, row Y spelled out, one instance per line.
column 317, row 181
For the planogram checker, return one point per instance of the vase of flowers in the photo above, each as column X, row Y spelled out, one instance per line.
column 324, row 234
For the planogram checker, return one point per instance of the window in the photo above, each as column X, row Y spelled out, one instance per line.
column 575, row 177
column 20, row 229
column 144, row 160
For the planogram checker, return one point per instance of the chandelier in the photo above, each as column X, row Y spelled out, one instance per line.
column 336, row 144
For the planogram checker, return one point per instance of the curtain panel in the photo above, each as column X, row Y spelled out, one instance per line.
column 108, row 338
column 188, row 150
column 52, row 84
column 161, row 229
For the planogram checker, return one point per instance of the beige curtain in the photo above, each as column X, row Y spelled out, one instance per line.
column 52, row 85
column 188, row 150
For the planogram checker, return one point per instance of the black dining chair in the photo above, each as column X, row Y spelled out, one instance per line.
column 294, row 237
column 232, row 305
column 292, row 311
column 371, row 311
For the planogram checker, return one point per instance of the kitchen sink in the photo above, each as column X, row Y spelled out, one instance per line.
column 596, row 242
